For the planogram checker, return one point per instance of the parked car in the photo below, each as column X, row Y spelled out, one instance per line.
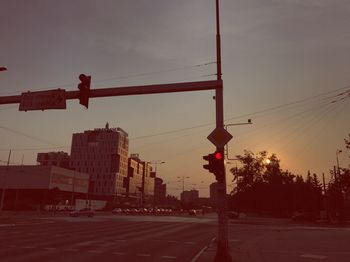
column 192, row 212
column 232, row 214
column 117, row 211
column 305, row 216
column 82, row 212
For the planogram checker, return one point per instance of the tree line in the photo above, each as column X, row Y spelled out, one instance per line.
column 263, row 187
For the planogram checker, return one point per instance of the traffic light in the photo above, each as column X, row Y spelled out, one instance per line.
column 215, row 165
column 210, row 166
column 84, row 89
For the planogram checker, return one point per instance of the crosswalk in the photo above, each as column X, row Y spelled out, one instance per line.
column 104, row 241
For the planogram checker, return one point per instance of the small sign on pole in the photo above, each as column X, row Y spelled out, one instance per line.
column 41, row 100
column 219, row 137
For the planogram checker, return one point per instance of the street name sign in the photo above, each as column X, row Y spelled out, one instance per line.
column 41, row 100
column 219, row 137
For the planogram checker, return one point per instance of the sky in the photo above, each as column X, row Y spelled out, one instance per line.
column 285, row 65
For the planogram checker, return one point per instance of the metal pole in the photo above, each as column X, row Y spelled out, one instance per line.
column 4, row 183
column 222, row 252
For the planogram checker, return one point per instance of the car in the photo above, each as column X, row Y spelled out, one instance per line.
column 232, row 214
column 192, row 212
column 82, row 212
column 305, row 217
column 117, row 211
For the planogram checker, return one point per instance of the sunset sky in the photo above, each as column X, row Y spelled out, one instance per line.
column 286, row 65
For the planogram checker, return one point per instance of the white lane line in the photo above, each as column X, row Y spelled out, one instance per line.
column 11, row 246
column 50, row 248
column 169, row 257
column 7, row 225
column 195, row 259
column 71, row 249
column 143, row 255
column 95, row 251
column 118, row 253
column 312, row 256
column 234, row 240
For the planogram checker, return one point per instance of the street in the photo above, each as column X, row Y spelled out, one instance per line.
column 108, row 237
column 267, row 240
column 105, row 238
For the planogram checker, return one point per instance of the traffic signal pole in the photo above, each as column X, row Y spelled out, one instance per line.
column 132, row 90
column 52, row 99
column 222, row 251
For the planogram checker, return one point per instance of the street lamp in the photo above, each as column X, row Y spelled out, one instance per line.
column 183, row 182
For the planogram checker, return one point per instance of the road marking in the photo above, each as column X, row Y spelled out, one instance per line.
column 169, row 257
column 29, row 247
column 95, row 251
column 50, row 248
column 7, row 225
column 118, row 253
column 143, row 255
column 11, row 246
column 202, row 250
column 313, row 256
column 235, row 240
column 71, row 249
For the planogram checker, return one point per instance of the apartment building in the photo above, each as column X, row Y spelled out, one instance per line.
column 103, row 154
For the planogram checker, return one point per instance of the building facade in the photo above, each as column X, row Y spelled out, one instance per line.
column 61, row 159
column 134, row 181
column 159, row 191
column 190, row 196
column 213, row 193
column 103, row 154
column 29, row 186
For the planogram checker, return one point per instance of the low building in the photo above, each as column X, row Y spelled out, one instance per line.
column 61, row 159
column 41, row 185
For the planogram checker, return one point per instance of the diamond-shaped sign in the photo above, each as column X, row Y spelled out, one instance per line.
column 219, row 137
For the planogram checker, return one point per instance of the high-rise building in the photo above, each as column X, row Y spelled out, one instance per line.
column 103, row 154
column 159, row 191
column 190, row 196
column 140, row 181
column 214, row 193
column 134, row 181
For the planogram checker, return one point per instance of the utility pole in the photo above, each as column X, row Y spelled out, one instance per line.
column 325, row 196
column 222, row 251
column 4, row 183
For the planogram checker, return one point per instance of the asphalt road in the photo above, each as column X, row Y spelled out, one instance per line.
column 166, row 238
column 105, row 238
column 270, row 240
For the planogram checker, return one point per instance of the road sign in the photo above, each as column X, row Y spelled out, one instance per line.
column 219, row 137
column 41, row 100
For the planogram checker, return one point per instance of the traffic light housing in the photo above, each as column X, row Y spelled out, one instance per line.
column 215, row 165
column 84, row 89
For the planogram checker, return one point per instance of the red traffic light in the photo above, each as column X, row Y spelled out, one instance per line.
column 218, row 155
